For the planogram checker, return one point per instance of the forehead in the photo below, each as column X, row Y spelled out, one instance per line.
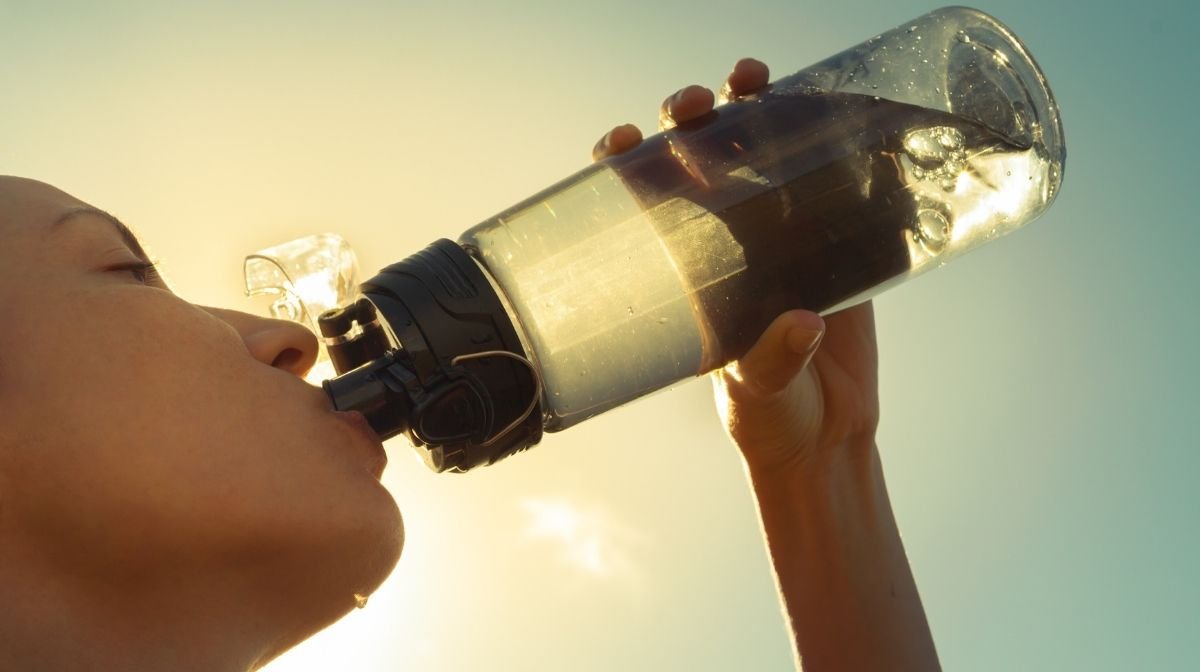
column 29, row 207
column 28, row 204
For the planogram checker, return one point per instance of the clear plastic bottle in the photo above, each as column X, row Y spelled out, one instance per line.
column 835, row 183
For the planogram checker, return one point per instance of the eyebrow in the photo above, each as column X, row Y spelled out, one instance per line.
column 126, row 235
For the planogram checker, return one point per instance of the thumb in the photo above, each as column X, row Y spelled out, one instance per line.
column 782, row 352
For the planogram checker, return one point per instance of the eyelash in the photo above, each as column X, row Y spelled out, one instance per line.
column 143, row 271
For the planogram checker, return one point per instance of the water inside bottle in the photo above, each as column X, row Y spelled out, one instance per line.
column 670, row 260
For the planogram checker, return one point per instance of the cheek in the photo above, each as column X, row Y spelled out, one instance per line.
column 108, row 387
column 139, row 401
column 128, row 366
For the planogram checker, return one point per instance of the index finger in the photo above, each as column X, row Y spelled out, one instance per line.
column 748, row 76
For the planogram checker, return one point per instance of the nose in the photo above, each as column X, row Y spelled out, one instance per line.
column 279, row 343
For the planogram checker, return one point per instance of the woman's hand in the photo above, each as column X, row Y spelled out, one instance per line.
column 808, row 390
column 803, row 406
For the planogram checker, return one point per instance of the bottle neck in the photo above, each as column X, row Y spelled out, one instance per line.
column 459, row 383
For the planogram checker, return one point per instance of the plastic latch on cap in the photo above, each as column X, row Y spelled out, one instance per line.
column 301, row 279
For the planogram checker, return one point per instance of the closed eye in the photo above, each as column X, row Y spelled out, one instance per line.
column 145, row 272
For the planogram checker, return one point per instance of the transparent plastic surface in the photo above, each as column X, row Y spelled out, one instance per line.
column 300, row 279
column 834, row 184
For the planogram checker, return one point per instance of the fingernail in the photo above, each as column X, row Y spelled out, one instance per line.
column 804, row 341
column 676, row 99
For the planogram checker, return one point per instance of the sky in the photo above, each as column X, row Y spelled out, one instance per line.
column 1037, row 394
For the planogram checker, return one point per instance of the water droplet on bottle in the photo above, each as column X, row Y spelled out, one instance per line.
column 937, row 89
column 874, row 86
column 912, row 29
column 360, row 601
column 630, row 309
column 932, row 230
column 947, row 184
column 1008, row 173
column 662, row 320
column 963, row 37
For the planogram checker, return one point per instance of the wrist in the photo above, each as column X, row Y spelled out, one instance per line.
column 850, row 463
column 831, row 500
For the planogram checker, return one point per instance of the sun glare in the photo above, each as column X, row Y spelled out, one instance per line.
column 588, row 541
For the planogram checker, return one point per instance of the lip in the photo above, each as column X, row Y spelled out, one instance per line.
column 359, row 422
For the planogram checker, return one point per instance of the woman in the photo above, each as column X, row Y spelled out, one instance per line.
column 144, row 525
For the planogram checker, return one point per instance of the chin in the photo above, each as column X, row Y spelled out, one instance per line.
column 366, row 551
column 326, row 575
column 383, row 548
column 352, row 549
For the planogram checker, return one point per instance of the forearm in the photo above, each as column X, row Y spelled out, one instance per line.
column 840, row 565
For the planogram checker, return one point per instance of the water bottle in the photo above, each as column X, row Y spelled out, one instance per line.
column 818, row 192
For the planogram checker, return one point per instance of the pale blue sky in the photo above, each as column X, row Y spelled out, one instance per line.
column 1038, row 394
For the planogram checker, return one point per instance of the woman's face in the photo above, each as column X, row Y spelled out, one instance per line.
column 139, row 431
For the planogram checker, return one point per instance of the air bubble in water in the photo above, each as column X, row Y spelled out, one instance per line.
column 932, row 230
column 360, row 600
column 935, row 145
column 923, row 149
